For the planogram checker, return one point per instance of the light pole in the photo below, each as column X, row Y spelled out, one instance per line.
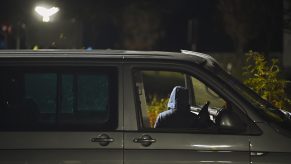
column 46, row 13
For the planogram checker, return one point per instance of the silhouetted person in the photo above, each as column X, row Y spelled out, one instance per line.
column 179, row 114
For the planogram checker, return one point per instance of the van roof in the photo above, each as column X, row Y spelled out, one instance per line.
column 184, row 55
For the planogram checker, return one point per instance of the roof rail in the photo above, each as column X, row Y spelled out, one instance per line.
column 198, row 54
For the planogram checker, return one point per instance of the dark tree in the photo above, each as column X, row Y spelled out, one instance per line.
column 141, row 26
column 247, row 20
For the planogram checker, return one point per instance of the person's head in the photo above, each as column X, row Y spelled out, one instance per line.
column 179, row 99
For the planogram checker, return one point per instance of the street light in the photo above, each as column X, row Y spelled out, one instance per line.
column 46, row 13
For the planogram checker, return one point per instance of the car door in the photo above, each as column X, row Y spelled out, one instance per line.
column 57, row 114
column 270, row 147
column 145, row 144
column 274, row 144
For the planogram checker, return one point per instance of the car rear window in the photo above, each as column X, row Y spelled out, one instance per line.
column 44, row 99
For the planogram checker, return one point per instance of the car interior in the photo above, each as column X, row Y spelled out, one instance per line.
column 212, row 110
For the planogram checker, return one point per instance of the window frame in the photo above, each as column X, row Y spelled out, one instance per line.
column 202, row 75
column 113, row 98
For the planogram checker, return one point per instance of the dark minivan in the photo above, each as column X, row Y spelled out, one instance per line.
column 101, row 106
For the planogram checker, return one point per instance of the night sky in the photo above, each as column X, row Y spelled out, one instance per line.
column 168, row 25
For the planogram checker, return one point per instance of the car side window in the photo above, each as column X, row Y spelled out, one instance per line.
column 154, row 88
column 158, row 90
column 58, row 99
column 203, row 93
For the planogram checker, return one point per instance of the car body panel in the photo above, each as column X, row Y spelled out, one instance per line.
column 62, row 147
column 270, row 147
column 72, row 147
column 55, row 147
column 176, row 147
column 182, row 157
column 187, row 148
column 69, row 156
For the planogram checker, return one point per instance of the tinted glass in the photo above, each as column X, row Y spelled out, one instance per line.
column 57, row 100
column 67, row 93
column 42, row 89
column 85, row 99
column 92, row 93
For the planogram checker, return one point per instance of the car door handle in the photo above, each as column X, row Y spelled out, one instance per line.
column 144, row 140
column 257, row 153
column 103, row 139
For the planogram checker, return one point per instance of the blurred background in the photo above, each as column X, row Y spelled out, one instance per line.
column 225, row 29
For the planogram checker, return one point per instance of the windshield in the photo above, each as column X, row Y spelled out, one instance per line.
column 265, row 108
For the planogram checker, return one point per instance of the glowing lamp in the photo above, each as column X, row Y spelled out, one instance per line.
column 45, row 12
